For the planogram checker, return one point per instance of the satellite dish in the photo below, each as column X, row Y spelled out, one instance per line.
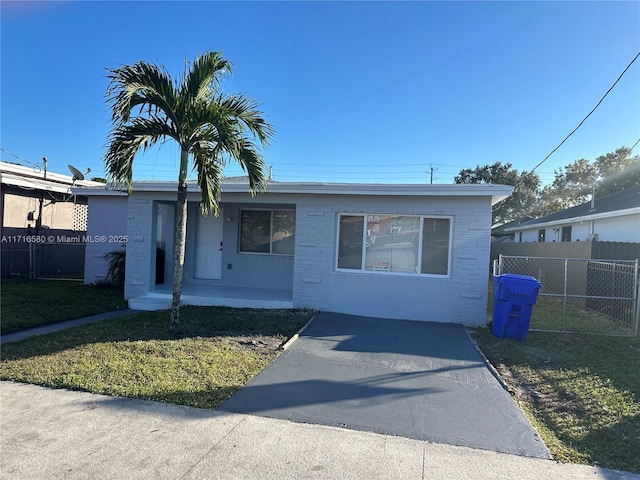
column 77, row 174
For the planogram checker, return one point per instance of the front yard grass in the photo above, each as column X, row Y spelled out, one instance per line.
column 31, row 303
column 581, row 392
column 136, row 356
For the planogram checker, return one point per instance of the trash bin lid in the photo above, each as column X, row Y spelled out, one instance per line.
column 516, row 277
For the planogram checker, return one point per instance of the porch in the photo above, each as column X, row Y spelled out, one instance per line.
column 210, row 295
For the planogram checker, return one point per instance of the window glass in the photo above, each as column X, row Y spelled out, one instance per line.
column 392, row 243
column 435, row 246
column 266, row 231
column 566, row 234
column 350, row 241
column 255, row 231
column 407, row 244
column 284, row 230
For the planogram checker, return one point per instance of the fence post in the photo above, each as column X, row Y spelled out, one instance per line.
column 636, row 292
column 564, row 314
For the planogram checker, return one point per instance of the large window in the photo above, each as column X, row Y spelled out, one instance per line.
column 394, row 244
column 268, row 231
column 566, row 234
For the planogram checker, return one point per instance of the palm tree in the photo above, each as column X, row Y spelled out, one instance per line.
column 209, row 127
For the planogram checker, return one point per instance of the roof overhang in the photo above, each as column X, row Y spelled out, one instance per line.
column 496, row 192
column 582, row 218
column 35, row 179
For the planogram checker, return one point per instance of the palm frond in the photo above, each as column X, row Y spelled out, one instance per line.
column 245, row 109
column 209, row 165
column 141, row 84
column 253, row 164
column 126, row 140
column 203, row 77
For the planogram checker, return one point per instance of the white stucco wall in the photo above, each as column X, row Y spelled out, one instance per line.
column 460, row 298
column 618, row 229
column 107, row 218
column 141, row 219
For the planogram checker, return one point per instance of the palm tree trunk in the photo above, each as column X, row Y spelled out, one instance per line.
column 181, row 234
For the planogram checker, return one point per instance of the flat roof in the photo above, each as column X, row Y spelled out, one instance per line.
column 496, row 192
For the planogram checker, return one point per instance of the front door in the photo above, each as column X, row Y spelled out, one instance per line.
column 209, row 246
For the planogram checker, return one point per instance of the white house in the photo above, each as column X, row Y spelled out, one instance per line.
column 418, row 252
column 612, row 218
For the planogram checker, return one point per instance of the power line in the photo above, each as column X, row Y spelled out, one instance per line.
column 585, row 118
column 634, row 145
column 16, row 156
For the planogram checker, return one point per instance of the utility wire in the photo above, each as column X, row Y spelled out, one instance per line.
column 16, row 156
column 634, row 145
column 585, row 118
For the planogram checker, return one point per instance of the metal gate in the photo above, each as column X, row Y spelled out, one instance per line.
column 578, row 294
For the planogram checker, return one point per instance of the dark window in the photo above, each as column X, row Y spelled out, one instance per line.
column 566, row 234
column 266, row 231
column 541, row 234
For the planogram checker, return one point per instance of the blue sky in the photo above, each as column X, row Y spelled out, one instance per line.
column 356, row 91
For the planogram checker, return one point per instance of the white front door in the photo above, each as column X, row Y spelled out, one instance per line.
column 209, row 246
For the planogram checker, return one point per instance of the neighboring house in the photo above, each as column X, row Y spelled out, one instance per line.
column 418, row 252
column 38, row 214
column 612, row 218
column 500, row 234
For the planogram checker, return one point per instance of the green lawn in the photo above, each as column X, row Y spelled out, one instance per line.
column 581, row 391
column 31, row 303
column 136, row 356
column 548, row 314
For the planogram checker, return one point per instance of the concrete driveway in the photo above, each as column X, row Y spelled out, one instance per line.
column 418, row 380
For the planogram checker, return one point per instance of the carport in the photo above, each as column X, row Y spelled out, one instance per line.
column 419, row 380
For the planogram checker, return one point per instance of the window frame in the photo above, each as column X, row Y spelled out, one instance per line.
column 271, row 222
column 421, row 217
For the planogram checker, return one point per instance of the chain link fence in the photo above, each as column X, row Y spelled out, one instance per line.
column 581, row 295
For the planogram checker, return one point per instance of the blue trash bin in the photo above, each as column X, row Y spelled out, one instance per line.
column 513, row 300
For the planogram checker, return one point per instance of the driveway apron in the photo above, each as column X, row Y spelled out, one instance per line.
column 417, row 380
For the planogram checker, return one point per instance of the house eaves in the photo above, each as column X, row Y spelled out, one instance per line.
column 572, row 220
column 496, row 192
column 30, row 179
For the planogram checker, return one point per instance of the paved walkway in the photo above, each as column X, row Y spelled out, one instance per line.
column 54, row 327
column 418, row 380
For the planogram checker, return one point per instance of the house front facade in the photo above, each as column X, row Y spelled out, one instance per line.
column 417, row 252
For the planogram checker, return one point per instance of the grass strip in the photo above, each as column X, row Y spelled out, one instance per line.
column 582, row 392
column 32, row 303
column 136, row 356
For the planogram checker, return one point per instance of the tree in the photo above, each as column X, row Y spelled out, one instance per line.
column 523, row 201
column 572, row 186
column 617, row 171
column 209, row 127
column 578, row 181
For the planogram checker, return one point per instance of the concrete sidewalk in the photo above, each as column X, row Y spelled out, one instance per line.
column 48, row 433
